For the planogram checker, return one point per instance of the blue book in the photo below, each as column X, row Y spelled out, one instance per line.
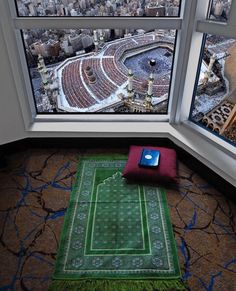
column 149, row 158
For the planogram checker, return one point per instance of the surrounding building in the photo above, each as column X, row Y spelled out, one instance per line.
column 214, row 106
column 98, row 8
column 220, row 10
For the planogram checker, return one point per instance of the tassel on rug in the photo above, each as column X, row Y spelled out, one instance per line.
column 117, row 285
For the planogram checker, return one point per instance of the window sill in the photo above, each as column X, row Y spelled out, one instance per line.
column 98, row 129
column 99, row 117
column 212, row 153
column 201, row 144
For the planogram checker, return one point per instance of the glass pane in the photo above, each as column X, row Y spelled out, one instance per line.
column 103, row 70
column 214, row 103
column 219, row 10
column 90, row 8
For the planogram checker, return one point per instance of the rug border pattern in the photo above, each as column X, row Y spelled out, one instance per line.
column 135, row 273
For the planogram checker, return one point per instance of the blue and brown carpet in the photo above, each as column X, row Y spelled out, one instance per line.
column 35, row 187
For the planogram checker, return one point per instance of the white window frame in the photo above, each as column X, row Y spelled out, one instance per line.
column 211, row 150
column 13, row 39
column 212, row 27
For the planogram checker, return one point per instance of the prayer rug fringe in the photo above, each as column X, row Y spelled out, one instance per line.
column 117, row 285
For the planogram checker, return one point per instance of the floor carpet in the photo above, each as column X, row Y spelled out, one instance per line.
column 34, row 193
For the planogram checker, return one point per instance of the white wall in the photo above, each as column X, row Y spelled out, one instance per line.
column 11, row 121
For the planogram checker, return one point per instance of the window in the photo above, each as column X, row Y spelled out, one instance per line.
column 213, row 106
column 100, row 69
column 116, row 63
column 219, row 10
column 182, row 38
column 215, row 93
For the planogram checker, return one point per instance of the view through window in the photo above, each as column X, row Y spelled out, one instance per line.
column 214, row 106
column 102, row 70
column 116, row 70
column 160, row 8
column 219, row 10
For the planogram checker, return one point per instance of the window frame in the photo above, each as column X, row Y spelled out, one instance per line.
column 203, row 26
column 29, row 111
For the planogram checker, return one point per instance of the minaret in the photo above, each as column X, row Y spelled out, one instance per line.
column 95, row 37
column 150, row 85
column 205, row 78
column 43, row 72
column 101, row 38
column 148, row 97
column 126, row 32
column 130, row 85
column 48, row 85
column 212, row 61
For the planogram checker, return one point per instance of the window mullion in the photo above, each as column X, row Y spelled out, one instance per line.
column 216, row 28
column 12, row 42
column 220, row 28
column 181, row 61
column 193, row 54
column 92, row 22
column 232, row 18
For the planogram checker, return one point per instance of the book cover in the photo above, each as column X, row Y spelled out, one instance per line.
column 149, row 158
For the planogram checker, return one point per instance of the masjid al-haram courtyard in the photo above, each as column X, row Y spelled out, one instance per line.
column 130, row 74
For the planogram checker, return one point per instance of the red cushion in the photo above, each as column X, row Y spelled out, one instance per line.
column 164, row 173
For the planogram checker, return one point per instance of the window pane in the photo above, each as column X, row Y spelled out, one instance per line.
column 105, row 70
column 90, row 8
column 219, row 10
column 215, row 97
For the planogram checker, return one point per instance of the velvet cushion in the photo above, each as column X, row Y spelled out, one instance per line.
column 166, row 171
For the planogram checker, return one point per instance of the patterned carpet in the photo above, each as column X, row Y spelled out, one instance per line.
column 34, row 192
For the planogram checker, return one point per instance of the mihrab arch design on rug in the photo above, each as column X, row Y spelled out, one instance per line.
column 116, row 226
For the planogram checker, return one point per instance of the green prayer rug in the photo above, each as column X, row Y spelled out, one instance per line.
column 116, row 235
